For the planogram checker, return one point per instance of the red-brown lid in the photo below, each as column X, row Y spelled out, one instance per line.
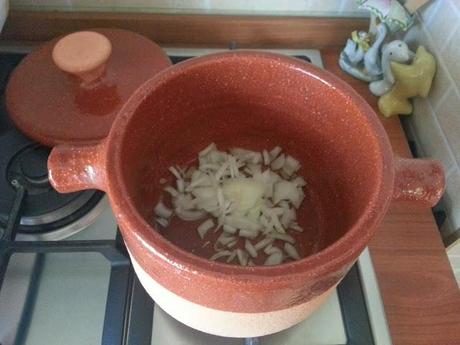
column 70, row 89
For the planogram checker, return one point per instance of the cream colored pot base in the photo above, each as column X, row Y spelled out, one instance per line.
column 225, row 323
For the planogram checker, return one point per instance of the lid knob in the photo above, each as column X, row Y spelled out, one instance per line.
column 83, row 54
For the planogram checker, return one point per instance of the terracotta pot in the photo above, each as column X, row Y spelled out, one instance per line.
column 253, row 100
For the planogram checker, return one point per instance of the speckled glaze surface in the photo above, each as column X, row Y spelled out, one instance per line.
column 254, row 100
column 55, row 107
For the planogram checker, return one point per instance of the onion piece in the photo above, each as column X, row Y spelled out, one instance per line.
column 266, row 157
column 274, row 259
column 291, row 165
column 175, row 172
column 296, row 227
column 163, row 222
column 232, row 244
column 173, row 192
column 248, row 233
column 299, row 181
column 232, row 256
column 220, row 254
column 250, row 248
column 275, row 152
column 230, row 229
column 242, row 257
column 291, row 251
column 162, row 211
column 282, row 237
column 188, row 215
column 204, row 227
column 278, row 162
column 226, row 240
column 207, row 149
column 263, row 243
column 270, row 249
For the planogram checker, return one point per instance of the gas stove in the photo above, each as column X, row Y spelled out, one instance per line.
column 65, row 277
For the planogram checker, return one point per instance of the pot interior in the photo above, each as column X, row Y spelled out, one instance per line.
column 255, row 102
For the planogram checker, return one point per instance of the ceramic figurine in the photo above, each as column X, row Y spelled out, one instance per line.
column 361, row 55
column 411, row 80
column 397, row 51
column 361, row 59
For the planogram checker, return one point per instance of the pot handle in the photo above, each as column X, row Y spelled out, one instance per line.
column 418, row 180
column 75, row 168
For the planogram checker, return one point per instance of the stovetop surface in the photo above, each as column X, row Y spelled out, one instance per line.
column 83, row 290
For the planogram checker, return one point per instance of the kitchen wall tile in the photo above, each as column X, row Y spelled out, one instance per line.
column 430, row 134
column 428, row 11
column 448, row 114
column 451, row 55
column 442, row 22
column 442, row 83
column 452, row 197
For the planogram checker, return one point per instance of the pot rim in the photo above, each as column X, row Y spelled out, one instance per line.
column 344, row 250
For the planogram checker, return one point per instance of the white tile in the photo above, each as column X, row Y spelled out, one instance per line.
column 442, row 84
column 452, row 197
column 448, row 115
column 451, row 55
column 428, row 11
column 443, row 23
column 429, row 133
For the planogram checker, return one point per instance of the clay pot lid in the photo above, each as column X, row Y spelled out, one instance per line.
column 70, row 90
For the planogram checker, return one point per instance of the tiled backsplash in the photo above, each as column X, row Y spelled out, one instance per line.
column 343, row 8
column 436, row 120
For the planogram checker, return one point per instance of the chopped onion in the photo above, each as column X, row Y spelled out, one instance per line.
column 242, row 257
column 250, row 248
column 299, row 181
column 274, row 259
column 247, row 233
column 208, row 149
column 205, row 227
column 275, row 152
column 188, row 215
column 163, row 222
column 291, row 165
column 162, row 211
column 269, row 250
column 278, row 162
column 232, row 256
column 243, row 199
column 291, row 251
column 220, row 254
column 175, row 172
column 171, row 191
column 263, row 243
column 282, row 237
column 266, row 157
column 296, row 227
column 230, row 229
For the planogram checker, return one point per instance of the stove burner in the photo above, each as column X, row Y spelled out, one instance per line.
column 28, row 168
column 44, row 210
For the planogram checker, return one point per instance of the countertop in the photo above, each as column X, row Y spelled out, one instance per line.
column 420, row 294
